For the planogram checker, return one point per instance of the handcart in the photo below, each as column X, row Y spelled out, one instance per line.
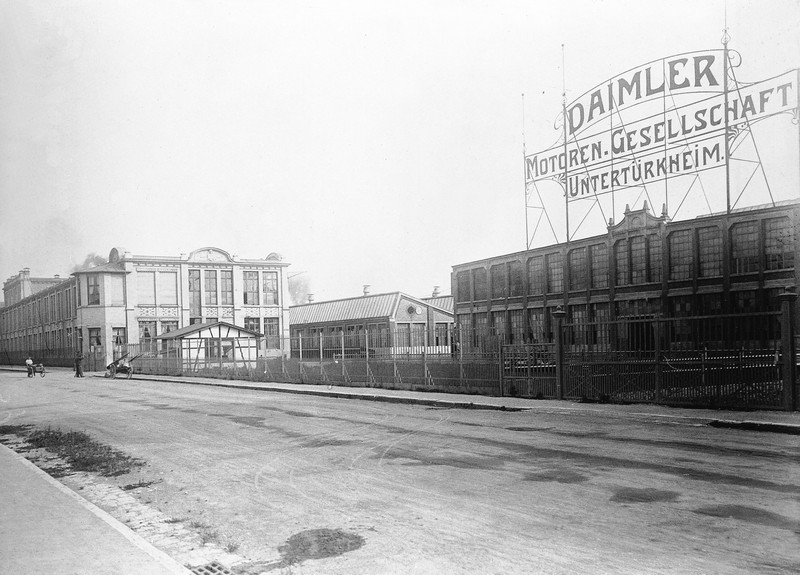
column 121, row 366
column 37, row 368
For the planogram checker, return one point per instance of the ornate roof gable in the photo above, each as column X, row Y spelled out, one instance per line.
column 210, row 255
column 636, row 221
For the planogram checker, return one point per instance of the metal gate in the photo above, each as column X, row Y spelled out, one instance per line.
column 529, row 370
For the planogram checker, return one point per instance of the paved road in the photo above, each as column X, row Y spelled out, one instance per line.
column 388, row 488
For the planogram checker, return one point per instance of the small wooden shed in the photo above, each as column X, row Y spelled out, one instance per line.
column 213, row 345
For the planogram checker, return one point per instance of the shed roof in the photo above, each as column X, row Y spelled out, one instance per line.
column 361, row 307
column 196, row 327
column 444, row 302
column 355, row 308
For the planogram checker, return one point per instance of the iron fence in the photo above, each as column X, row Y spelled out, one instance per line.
column 743, row 361
column 733, row 361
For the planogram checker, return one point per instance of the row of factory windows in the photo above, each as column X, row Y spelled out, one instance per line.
column 400, row 334
column 153, row 288
column 535, row 325
column 207, row 287
column 43, row 308
column 62, row 338
column 638, row 260
column 68, row 337
column 218, row 290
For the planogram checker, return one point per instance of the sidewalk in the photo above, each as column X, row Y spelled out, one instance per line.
column 47, row 529
column 766, row 421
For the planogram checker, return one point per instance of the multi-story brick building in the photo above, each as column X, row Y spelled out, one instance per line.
column 39, row 314
column 644, row 266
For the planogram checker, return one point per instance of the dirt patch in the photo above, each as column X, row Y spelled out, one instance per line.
column 556, row 476
column 318, row 544
column 249, row 421
column 632, row 495
column 139, row 485
column 326, row 442
column 408, row 458
column 311, row 544
column 76, row 451
column 750, row 515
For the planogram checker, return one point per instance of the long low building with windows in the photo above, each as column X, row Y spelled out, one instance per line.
column 136, row 299
column 371, row 325
column 644, row 266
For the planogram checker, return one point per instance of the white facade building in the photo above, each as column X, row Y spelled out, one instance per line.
column 133, row 298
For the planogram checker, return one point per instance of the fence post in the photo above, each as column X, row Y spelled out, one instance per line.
column 393, row 331
column 528, row 361
column 425, row 355
column 341, row 332
column 460, row 354
column 659, row 329
column 219, row 343
column 501, row 366
column 787, row 300
column 559, row 315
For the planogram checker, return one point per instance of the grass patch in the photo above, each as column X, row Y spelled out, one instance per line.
column 83, row 453
column 209, row 536
column 19, row 430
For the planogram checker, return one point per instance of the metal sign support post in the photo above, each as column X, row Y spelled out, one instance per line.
column 725, row 39
column 566, row 178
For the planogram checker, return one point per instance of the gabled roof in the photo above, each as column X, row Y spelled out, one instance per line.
column 354, row 308
column 442, row 301
column 361, row 307
column 194, row 328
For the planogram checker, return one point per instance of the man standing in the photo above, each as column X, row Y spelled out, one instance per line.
column 79, row 364
column 29, row 366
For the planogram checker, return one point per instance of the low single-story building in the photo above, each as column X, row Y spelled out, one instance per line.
column 381, row 324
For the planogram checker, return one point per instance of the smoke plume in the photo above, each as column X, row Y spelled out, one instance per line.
column 299, row 288
column 92, row 260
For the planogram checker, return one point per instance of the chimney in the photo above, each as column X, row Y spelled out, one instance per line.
column 436, row 292
column 366, row 289
column 310, row 298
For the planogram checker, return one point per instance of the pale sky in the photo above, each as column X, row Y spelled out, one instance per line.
column 368, row 142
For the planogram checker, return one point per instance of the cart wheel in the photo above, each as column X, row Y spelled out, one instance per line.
column 43, row 372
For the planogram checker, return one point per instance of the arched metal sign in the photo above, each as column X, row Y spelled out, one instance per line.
column 671, row 117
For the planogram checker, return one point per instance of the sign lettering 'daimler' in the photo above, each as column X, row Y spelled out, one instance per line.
column 660, row 120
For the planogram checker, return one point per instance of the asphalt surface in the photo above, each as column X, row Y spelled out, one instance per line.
column 694, row 481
